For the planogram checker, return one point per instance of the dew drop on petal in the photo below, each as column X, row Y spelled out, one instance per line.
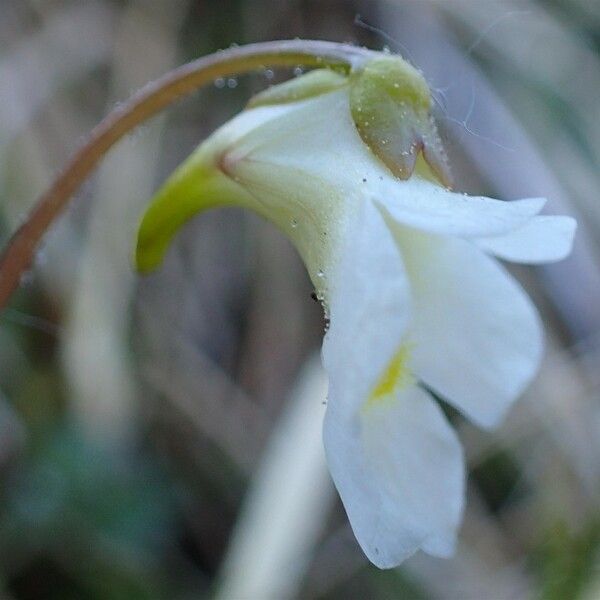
column 232, row 82
column 219, row 82
column 294, row 223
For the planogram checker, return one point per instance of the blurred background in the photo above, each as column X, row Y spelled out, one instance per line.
column 157, row 434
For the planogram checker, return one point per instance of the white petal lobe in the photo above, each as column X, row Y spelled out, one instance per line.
column 542, row 239
column 477, row 336
column 427, row 206
column 398, row 466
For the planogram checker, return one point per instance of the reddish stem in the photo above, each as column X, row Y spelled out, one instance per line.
column 19, row 253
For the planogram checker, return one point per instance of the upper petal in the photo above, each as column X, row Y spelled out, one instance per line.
column 540, row 240
column 477, row 336
column 317, row 138
column 427, row 206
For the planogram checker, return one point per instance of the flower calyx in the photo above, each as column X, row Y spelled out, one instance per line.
column 390, row 104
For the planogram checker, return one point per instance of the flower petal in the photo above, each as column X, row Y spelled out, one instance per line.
column 542, row 239
column 477, row 336
column 424, row 205
column 399, row 470
column 367, row 294
column 395, row 460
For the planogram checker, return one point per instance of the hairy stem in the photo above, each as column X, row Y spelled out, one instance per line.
column 18, row 255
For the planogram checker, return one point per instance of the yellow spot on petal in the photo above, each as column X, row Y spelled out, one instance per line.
column 397, row 376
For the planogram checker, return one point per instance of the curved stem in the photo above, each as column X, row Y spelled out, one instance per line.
column 18, row 255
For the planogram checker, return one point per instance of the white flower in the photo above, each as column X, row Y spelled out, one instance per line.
column 406, row 271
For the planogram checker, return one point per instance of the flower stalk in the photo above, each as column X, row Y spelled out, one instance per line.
column 20, row 251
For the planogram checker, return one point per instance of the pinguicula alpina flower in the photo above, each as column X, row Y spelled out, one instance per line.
column 351, row 169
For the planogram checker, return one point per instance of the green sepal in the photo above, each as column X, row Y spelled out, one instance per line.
column 390, row 104
column 315, row 83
